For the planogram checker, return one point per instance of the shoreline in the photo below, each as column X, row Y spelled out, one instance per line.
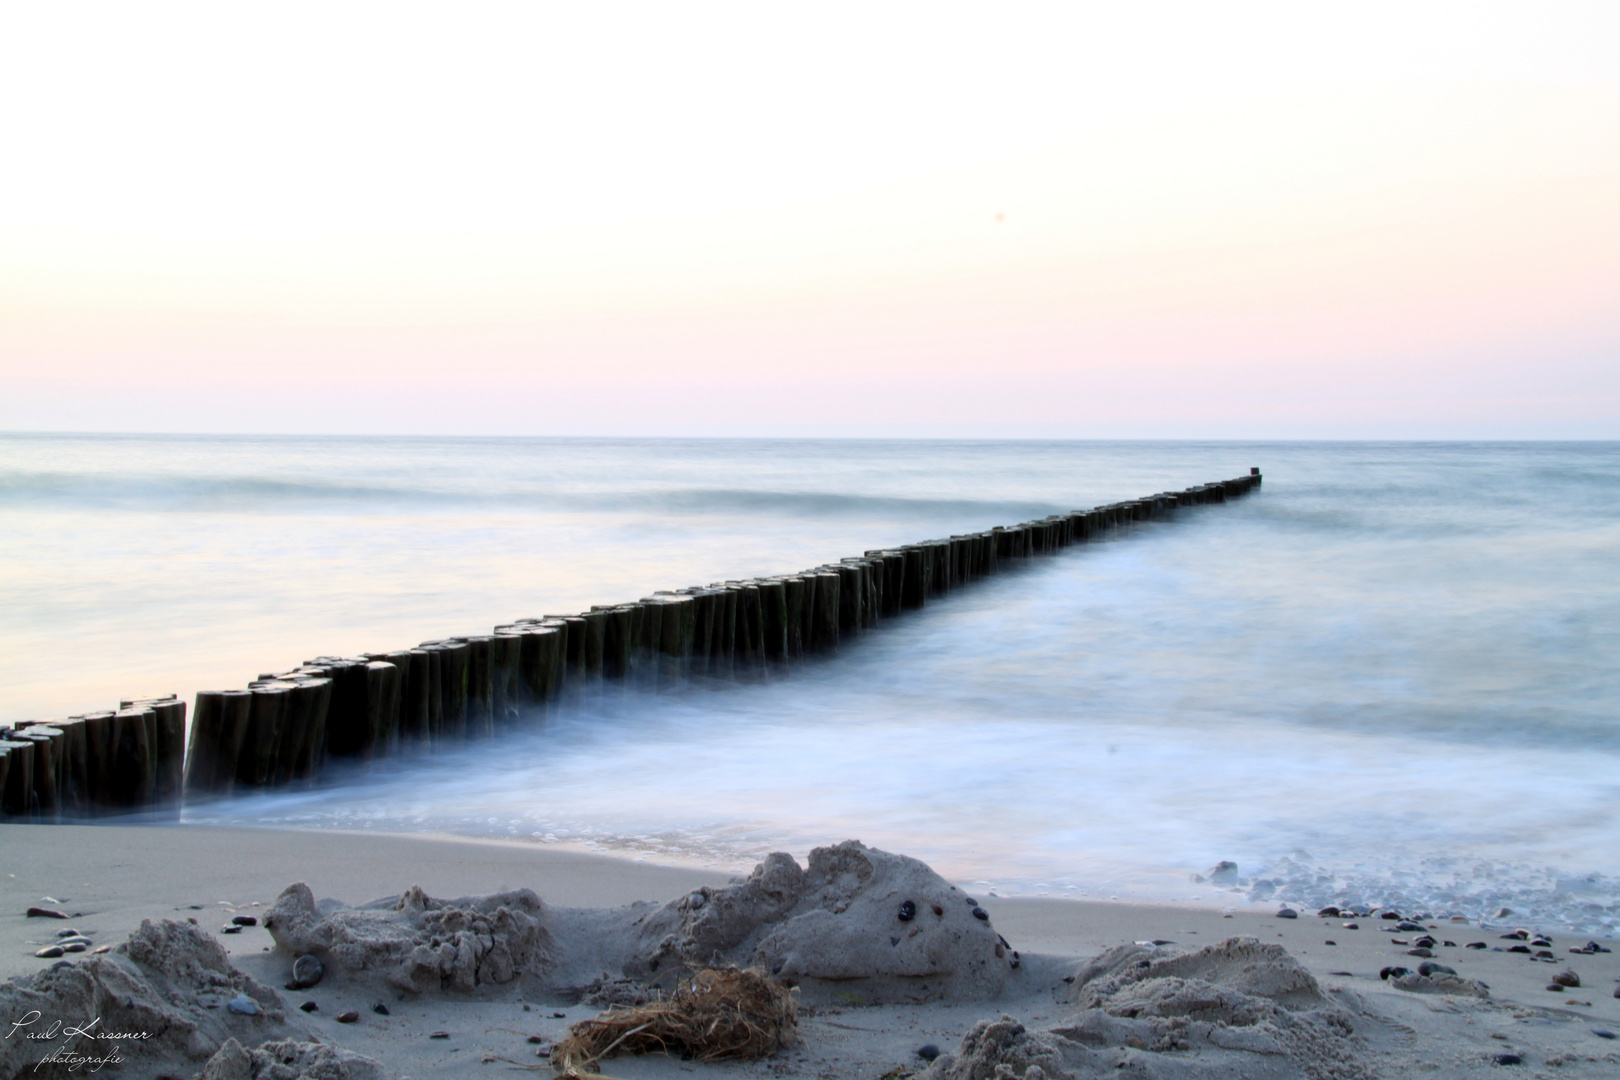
column 110, row 878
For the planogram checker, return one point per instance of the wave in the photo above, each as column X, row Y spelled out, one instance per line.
column 263, row 494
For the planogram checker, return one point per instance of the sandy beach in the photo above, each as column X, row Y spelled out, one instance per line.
column 110, row 879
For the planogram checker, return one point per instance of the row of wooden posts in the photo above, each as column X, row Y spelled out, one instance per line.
column 285, row 728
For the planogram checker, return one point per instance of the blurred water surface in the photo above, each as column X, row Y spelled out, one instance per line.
column 1390, row 674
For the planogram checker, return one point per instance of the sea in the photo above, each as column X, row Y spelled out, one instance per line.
column 1389, row 676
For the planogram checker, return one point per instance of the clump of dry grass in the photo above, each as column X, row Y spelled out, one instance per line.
column 717, row 1014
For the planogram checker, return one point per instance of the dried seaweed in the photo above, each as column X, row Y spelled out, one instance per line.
column 724, row 1014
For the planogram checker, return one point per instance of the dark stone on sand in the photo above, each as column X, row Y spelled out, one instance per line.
column 1508, row 1059
column 928, row 1051
column 1545, row 954
column 1393, row 916
column 1567, row 978
column 1328, row 913
column 439, row 1035
column 230, row 928
column 306, row 972
column 70, row 932
column 1424, row 942
column 1287, row 913
column 1449, row 944
column 244, row 920
column 1555, row 988
column 1411, row 927
column 1475, row 945
column 908, row 911
column 1391, row 972
column 1419, row 952
column 1603, row 1033
column 1617, row 991
column 50, row 952
column 1330, row 941
column 1517, row 935
column 310, row 1006
column 46, row 913
column 348, row 1018
column 1162, row 941
column 1343, row 974
column 1432, row 969
column 981, row 914
column 1520, row 949
column 1352, row 926
column 380, row 1009
column 74, row 946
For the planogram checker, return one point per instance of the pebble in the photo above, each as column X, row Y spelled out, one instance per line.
column 1617, row 991
column 74, row 946
column 46, row 913
column 380, row 1009
column 1603, row 1033
column 310, row 1006
column 1519, row 935
column 1435, row 969
column 245, row 920
column 230, row 929
column 536, row 1040
column 1476, row 945
column 69, row 932
column 1287, row 913
column 1352, row 926
column 50, row 952
column 939, row 911
column 1411, row 927
column 1420, row 951
column 306, row 972
column 1329, row 912
column 1424, row 942
column 1391, row 972
column 1345, row 974
column 1595, row 947
column 1394, row 916
column 981, row 914
column 242, row 1005
column 1567, row 978
column 348, row 1018
column 928, row 1051
column 1520, row 949
column 439, row 1035
column 1508, row 1059
column 1330, row 941
column 1555, row 988
column 908, row 911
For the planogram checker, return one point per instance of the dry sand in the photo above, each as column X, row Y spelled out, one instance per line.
column 112, row 878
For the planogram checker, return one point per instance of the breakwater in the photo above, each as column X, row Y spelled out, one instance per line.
column 286, row 728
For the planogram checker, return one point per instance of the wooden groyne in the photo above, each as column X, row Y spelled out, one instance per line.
column 285, row 728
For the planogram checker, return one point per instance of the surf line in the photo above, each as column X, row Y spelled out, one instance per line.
column 285, row 729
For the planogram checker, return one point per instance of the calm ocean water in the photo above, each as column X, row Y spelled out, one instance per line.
column 1388, row 676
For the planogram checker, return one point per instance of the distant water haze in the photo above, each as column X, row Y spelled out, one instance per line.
column 1388, row 674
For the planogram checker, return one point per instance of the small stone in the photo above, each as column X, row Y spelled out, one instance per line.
column 1328, row 912
column 306, row 972
column 439, row 1035
column 1162, row 941
column 73, row 939
column 1352, row 926
column 536, row 1040
column 1391, row 972
column 1519, row 949
column 907, row 912
column 245, row 920
column 1567, row 978
column 348, row 1017
column 1519, row 935
column 1393, row 916
column 46, row 913
column 67, row 933
column 1424, row 942
column 242, row 1005
column 1330, row 941
column 230, row 929
column 1420, row 952
column 1343, row 974
column 1545, row 954
column 73, row 946
column 1459, row 919
column 559, row 1016
column 1617, row 991
column 1287, row 913
column 1409, row 927
column 939, row 911
column 1475, row 945
column 50, row 952
column 1555, row 988
column 1595, row 947
column 310, row 1006
column 380, row 1009
column 1603, row 1033
column 1449, row 944
column 981, row 914
column 928, row 1051
column 1435, row 969
column 1508, row 1059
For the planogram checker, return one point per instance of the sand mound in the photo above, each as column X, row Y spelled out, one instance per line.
column 167, row 988
column 1440, row 983
column 417, row 943
column 856, row 923
column 1239, row 1008
column 290, row 1060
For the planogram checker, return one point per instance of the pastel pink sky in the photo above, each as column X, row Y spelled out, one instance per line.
column 1065, row 220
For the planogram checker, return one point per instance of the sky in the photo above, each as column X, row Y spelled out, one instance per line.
column 1049, row 220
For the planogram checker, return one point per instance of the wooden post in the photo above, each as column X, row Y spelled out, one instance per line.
column 17, row 796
